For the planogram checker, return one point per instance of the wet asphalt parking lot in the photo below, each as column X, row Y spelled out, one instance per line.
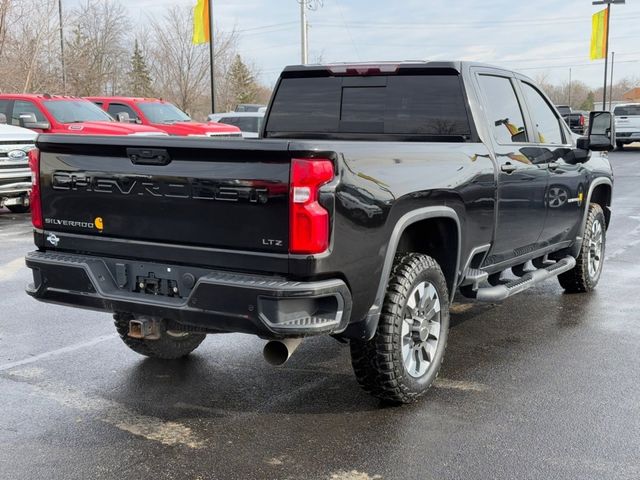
column 545, row 385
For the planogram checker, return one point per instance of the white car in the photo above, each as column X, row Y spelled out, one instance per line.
column 15, row 175
column 249, row 123
column 627, row 117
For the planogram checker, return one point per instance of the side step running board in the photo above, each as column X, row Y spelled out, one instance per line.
column 528, row 280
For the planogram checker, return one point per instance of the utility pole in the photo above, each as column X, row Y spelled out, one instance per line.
column 211, row 62
column 613, row 57
column 606, row 47
column 569, row 87
column 304, row 30
column 64, row 75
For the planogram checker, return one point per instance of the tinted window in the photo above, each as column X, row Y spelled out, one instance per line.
column 564, row 110
column 21, row 106
column 544, row 118
column 426, row 105
column 627, row 110
column 4, row 108
column 115, row 108
column 505, row 115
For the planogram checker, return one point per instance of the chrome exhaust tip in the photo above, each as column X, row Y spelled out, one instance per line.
column 277, row 352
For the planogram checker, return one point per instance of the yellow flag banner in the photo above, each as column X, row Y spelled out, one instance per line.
column 599, row 35
column 201, row 23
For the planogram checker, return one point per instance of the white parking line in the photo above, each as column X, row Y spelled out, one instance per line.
column 8, row 270
column 59, row 351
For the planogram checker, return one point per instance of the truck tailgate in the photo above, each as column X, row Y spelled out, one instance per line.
column 200, row 192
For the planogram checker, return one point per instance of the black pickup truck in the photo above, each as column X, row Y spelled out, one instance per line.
column 376, row 192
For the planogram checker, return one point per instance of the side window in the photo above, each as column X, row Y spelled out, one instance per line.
column 99, row 104
column 505, row 114
column 21, row 106
column 4, row 109
column 115, row 108
column 545, row 120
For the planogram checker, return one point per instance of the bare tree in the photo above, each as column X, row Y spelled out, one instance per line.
column 97, row 52
column 181, row 69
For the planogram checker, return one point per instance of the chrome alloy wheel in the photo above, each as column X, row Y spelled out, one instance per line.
column 420, row 329
column 595, row 252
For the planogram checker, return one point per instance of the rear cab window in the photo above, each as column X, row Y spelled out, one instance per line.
column 627, row 110
column 419, row 107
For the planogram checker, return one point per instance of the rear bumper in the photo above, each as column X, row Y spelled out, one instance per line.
column 217, row 301
column 628, row 137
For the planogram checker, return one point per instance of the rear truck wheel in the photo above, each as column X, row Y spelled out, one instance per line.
column 585, row 275
column 620, row 145
column 169, row 345
column 403, row 358
column 18, row 208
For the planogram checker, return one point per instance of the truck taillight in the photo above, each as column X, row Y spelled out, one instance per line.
column 34, row 195
column 581, row 120
column 308, row 220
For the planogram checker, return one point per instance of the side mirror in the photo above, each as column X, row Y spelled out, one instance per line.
column 3, row 119
column 29, row 120
column 602, row 132
column 123, row 117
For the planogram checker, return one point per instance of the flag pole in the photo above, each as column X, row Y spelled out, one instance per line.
column 211, row 63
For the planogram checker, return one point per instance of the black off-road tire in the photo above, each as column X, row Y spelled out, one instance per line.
column 378, row 363
column 167, row 347
column 18, row 208
column 578, row 279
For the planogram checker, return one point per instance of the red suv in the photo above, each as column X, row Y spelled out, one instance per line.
column 162, row 115
column 63, row 114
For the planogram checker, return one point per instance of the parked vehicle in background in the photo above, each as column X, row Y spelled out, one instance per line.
column 250, row 107
column 249, row 123
column 15, row 176
column 575, row 120
column 564, row 110
column 627, row 118
column 377, row 192
column 162, row 115
column 46, row 113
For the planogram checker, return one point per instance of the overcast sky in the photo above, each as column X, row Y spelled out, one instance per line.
column 532, row 36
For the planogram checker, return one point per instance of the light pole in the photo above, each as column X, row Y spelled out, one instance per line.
column 613, row 57
column 64, row 75
column 606, row 47
column 211, row 58
column 303, row 32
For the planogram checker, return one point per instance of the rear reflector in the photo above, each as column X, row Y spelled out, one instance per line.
column 309, row 221
column 34, row 195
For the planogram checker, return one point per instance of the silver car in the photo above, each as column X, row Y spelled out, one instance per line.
column 15, row 175
column 249, row 123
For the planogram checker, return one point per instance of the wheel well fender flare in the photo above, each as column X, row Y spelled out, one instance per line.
column 583, row 223
column 401, row 225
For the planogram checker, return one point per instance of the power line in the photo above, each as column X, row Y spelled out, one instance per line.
column 479, row 24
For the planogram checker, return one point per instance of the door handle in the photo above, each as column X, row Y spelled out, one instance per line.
column 508, row 168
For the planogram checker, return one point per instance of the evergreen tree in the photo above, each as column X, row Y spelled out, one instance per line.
column 139, row 76
column 242, row 81
column 588, row 103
